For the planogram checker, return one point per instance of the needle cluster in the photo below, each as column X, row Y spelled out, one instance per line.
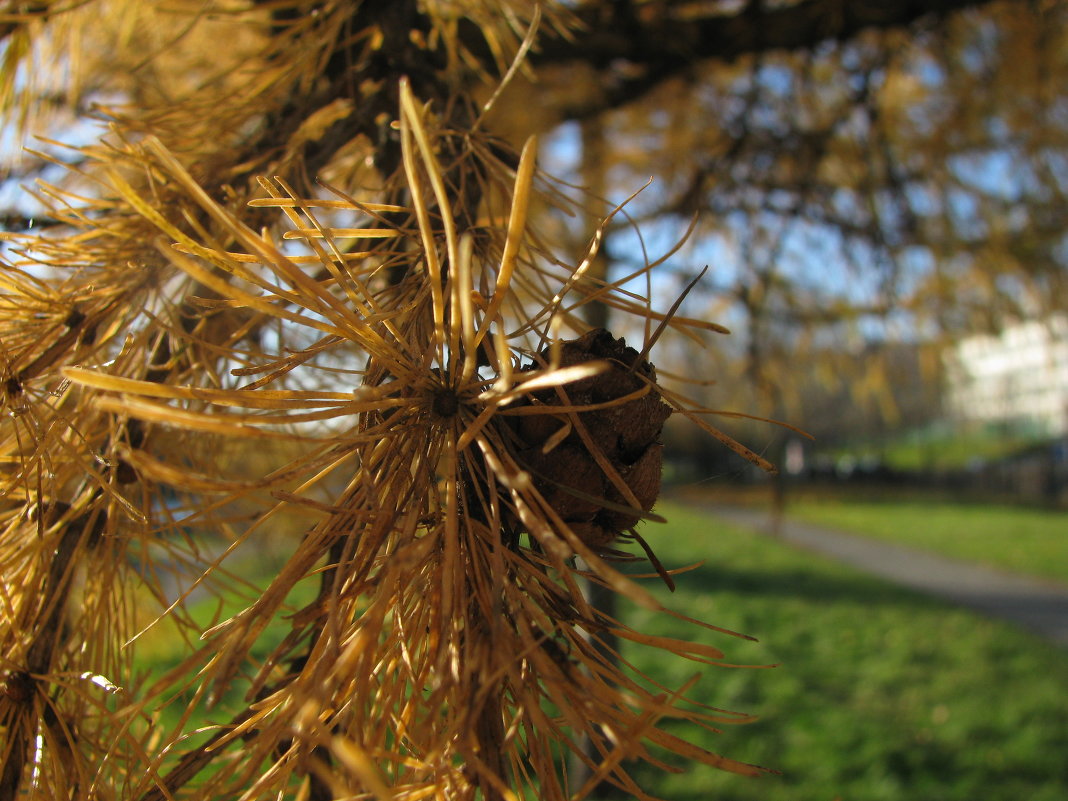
column 454, row 449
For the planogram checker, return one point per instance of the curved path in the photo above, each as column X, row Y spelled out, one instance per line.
column 1035, row 604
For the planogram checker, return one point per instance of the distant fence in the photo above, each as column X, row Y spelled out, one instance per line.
column 1036, row 476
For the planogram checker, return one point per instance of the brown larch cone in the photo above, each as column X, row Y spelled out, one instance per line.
column 627, row 434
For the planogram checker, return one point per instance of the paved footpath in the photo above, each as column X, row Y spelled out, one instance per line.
column 1032, row 603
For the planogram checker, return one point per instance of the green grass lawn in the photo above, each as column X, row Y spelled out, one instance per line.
column 880, row 694
column 1032, row 541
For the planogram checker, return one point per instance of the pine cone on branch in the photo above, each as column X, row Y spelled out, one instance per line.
column 612, row 445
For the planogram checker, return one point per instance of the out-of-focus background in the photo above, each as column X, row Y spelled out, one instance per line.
column 882, row 215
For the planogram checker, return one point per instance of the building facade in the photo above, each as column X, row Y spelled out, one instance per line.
column 1017, row 380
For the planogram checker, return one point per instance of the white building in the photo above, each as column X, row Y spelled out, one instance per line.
column 1018, row 379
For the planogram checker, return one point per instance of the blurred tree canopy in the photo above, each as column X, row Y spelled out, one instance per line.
column 860, row 173
column 855, row 172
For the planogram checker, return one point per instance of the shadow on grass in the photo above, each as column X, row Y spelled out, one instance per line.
column 800, row 584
